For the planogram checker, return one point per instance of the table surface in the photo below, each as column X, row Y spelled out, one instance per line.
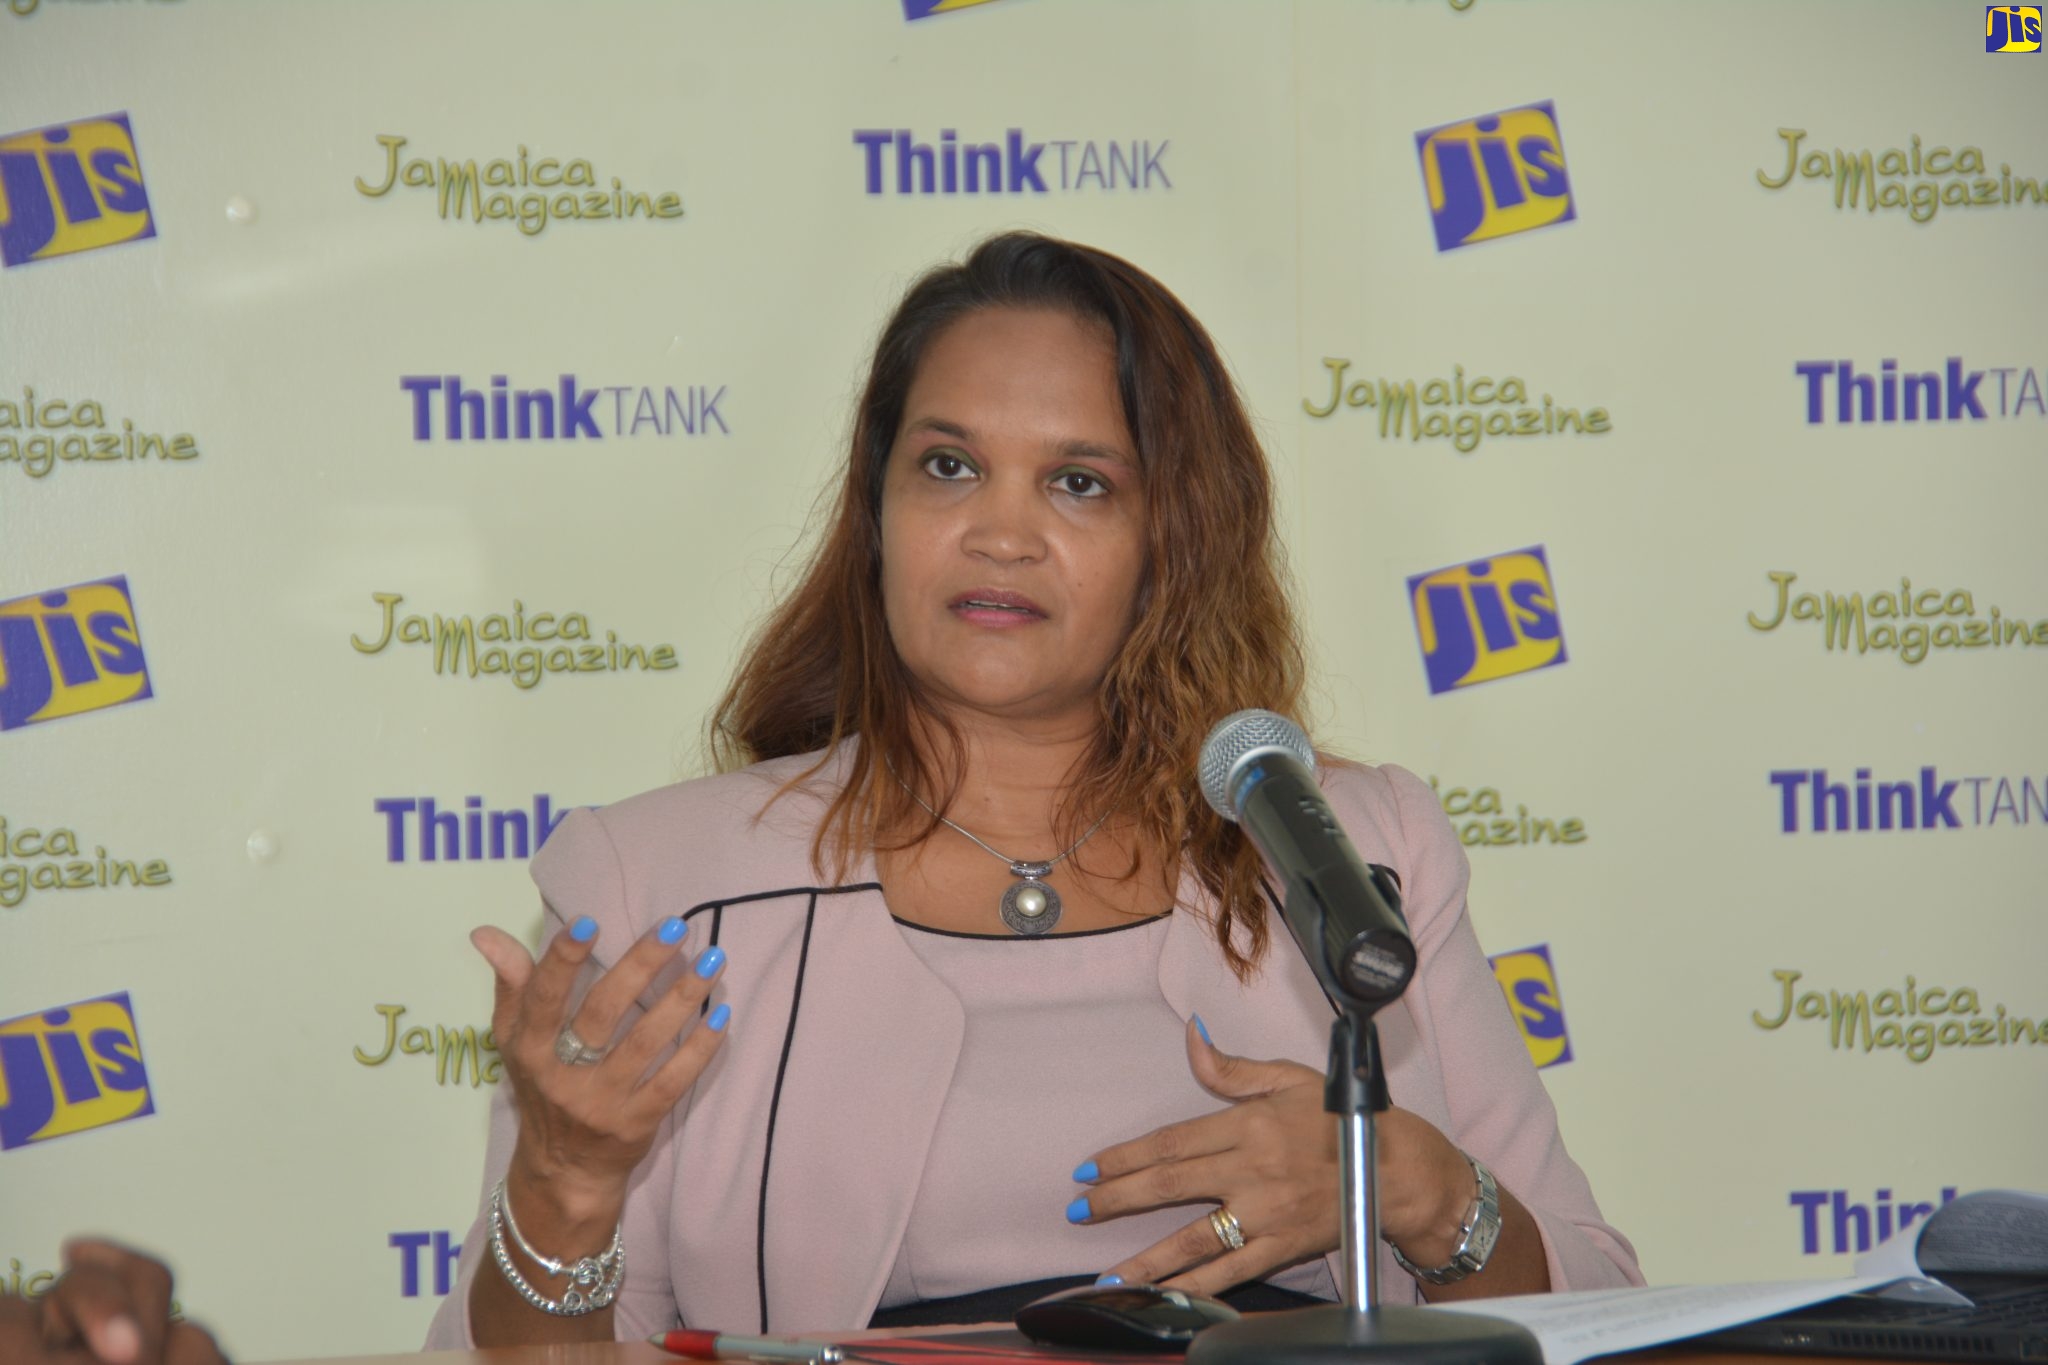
column 640, row 1353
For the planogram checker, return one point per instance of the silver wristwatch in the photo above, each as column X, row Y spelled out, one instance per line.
column 1476, row 1235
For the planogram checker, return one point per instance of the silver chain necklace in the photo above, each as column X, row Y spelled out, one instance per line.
column 1029, row 906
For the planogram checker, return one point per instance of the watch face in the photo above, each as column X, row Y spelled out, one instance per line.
column 1486, row 1228
column 1474, row 1257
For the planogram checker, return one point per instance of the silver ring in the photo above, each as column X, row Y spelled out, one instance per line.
column 573, row 1051
column 1227, row 1229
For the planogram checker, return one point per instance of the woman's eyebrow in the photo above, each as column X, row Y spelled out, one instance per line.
column 1089, row 450
column 941, row 426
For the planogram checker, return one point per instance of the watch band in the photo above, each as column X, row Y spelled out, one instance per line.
column 1476, row 1235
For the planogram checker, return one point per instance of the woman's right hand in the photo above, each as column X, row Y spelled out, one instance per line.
column 111, row 1307
column 584, row 1127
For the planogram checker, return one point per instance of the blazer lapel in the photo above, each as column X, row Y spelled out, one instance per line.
column 850, row 1143
column 1281, row 1014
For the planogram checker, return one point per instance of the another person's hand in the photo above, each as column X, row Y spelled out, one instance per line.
column 1271, row 1159
column 584, row 1127
column 112, row 1306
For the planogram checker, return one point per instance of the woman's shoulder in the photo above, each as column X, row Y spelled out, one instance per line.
column 754, row 824
column 1392, row 815
column 743, row 796
column 1395, row 819
column 1387, row 793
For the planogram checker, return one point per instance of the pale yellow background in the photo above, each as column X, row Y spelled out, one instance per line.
column 276, row 1166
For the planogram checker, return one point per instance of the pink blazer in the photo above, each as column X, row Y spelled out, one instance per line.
column 777, row 1193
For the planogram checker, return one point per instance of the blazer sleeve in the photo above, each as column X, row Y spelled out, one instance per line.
column 1499, row 1109
column 579, row 873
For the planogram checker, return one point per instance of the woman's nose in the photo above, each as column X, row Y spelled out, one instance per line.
column 1005, row 522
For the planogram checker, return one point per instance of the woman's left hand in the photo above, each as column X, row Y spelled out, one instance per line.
column 1271, row 1159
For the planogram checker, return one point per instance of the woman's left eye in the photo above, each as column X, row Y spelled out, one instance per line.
column 1081, row 484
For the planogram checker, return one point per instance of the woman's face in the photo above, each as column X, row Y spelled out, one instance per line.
column 1013, row 534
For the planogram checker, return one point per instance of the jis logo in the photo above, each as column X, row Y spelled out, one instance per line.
column 2012, row 28
column 1495, row 175
column 1530, row 983
column 72, row 1068
column 71, row 187
column 65, row 652
column 1488, row 619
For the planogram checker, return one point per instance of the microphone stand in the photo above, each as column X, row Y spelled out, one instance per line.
column 1355, row 1090
column 1359, row 1329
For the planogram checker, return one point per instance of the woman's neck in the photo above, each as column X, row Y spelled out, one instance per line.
column 1014, row 775
column 1015, row 784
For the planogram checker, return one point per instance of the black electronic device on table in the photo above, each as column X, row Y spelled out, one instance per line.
column 1122, row 1317
column 2007, row 1320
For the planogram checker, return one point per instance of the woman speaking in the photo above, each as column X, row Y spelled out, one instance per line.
column 950, row 989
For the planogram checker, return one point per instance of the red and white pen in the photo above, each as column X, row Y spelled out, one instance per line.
column 724, row 1346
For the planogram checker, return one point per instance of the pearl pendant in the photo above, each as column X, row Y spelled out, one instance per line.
column 1030, row 907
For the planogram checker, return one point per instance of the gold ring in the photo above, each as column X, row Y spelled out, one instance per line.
column 1227, row 1229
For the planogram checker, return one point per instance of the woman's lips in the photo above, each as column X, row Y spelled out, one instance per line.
column 996, row 607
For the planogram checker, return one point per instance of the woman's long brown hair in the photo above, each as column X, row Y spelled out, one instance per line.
column 1214, row 630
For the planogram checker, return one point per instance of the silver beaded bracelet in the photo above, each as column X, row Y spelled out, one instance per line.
column 593, row 1281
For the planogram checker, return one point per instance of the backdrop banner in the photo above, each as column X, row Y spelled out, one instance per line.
column 407, row 409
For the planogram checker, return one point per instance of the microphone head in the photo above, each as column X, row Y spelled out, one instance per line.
column 1240, row 736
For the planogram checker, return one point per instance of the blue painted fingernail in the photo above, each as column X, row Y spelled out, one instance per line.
column 709, row 961
column 1109, row 1279
column 672, row 930
column 1077, row 1212
column 1203, row 1029
column 719, row 1018
column 1086, row 1171
column 584, row 929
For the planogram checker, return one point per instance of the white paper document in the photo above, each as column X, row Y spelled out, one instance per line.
column 1594, row 1322
column 1991, row 1230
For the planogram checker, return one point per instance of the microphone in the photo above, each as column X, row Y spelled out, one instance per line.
column 1259, row 771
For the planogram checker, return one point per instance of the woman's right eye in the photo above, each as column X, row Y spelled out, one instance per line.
column 944, row 464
